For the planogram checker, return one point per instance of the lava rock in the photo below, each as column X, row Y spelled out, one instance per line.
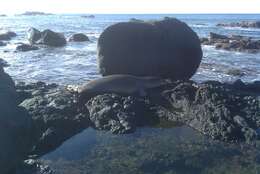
column 167, row 48
column 55, row 113
column 79, row 37
column 26, row 47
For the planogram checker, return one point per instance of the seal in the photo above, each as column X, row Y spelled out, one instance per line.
column 121, row 84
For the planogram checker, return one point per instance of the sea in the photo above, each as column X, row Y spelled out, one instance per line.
column 76, row 63
column 150, row 150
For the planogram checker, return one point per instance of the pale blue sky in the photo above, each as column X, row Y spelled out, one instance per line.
column 131, row 6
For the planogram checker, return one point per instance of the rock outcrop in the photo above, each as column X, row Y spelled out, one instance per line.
column 243, row 24
column 8, row 35
column 26, row 47
column 79, row 37
column 46, row 37
column 232, row 43
column 55, row 114
column 166, row 48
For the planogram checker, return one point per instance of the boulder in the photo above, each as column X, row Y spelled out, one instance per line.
column 47, row 37
column 15, row 127
column 8, row 35
column 166, row 48
column 79, row 37
column 52, row 38
column 26, row 47
column 243, row 24
column 213, row 36
column 33, row 35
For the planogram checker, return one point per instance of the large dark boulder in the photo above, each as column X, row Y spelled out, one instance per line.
column 47, row 37
column 52, row 38
column 167, row 48
column 15, row 125
column 79, row 37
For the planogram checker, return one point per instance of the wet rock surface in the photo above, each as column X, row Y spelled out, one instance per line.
column 54, row 112
column 79, row 37
column 26, row 47
column 46, row 37
column 232, row 43
column 243, row 24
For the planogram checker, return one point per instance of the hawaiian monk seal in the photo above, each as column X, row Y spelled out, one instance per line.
column 121, row 84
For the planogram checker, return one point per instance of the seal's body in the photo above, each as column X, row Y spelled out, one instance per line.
column 119, row 84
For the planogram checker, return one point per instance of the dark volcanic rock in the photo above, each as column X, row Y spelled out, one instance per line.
column 232, row 43
column 167, row 48
column 79, row 37
column 26, row 47
column 15, row 126
column 7, row 36
column 243, row 24
column 119, row 114
column 51, row 38
column 222, row 111
column 3, row 63
column 47, row 37
column 55, row 113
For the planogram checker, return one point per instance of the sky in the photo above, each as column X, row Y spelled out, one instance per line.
column 130, row 6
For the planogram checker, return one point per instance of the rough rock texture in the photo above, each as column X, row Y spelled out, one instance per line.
column 243, row 24
column 232, row 43
column 222, row 111
column 7, row 36
column 79, row 37
column 46, row 37
column 15, row 126
column 26, row 47
column 166, row 48
column 55, row 114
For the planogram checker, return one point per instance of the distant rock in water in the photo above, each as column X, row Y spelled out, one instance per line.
column 79, row 37
column 2, row 44
column 232, row 43
column 46, row 37
column 3, row 15
column 88, row 16
column 166, row 48
column 34, row 35
column 34, row 13
column 26, row 47
column 8, row 35
column 243, row 24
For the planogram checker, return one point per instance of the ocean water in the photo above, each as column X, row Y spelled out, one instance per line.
column 77, row 62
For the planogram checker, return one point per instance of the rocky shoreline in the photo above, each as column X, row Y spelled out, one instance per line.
column 232, row 43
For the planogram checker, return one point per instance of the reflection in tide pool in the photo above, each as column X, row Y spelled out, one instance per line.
column 178, row 150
